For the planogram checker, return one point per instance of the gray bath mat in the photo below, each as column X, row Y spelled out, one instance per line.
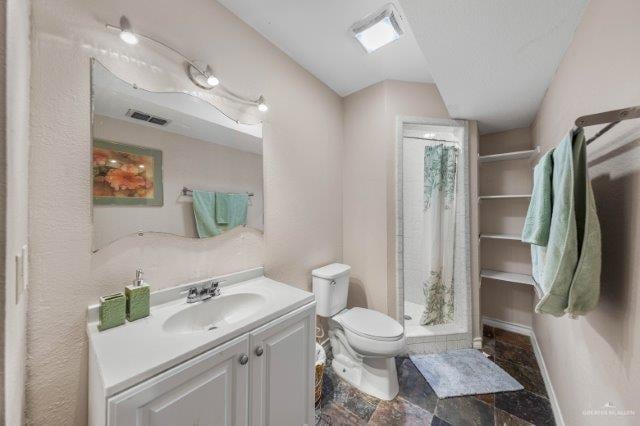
column 463, row 372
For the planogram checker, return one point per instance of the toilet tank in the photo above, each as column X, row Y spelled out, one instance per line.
column 331, row 286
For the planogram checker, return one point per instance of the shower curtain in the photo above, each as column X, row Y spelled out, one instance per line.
column 439, row 218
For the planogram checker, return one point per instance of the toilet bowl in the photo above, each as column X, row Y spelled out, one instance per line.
column 364, row 342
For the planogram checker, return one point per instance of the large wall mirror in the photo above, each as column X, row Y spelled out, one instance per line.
column 169, row 163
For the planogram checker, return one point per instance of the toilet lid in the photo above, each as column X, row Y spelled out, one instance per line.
column 371, row 324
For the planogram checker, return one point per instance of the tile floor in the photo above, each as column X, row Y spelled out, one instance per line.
column 417, row 403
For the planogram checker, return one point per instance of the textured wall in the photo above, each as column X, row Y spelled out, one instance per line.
column 17, row 156
column 302, row 174
column 595, row 359
column 369, row 183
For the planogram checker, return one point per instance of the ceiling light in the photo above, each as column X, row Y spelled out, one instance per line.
column 126, row 34
column 378, row 29
column 211, row 79
column 262, row 106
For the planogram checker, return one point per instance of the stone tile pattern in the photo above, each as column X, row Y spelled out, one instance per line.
column 417, row 403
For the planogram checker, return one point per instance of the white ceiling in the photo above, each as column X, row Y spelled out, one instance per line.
column 315, row 34
column 494, row 59
column 188, row 115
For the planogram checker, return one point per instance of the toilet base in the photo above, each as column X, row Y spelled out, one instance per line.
column 374, row 376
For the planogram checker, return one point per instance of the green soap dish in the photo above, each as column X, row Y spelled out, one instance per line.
column 113, row 310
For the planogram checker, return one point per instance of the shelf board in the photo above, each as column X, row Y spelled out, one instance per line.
column 514, row 155
column 501, row 236
column 511, row 277
column 503, row 197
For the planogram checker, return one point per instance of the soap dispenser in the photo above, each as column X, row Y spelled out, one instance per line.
column 138, row 297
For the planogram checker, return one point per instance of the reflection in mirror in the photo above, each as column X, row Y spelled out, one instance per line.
column 169, row 163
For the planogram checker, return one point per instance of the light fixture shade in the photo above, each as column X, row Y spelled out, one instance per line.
column 378, row 29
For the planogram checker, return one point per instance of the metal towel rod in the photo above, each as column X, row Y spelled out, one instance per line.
column 611, row 118
column 189, row 192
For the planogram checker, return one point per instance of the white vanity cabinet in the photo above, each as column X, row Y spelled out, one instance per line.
column 263, row 377
column 211, row 389
column 283, row 372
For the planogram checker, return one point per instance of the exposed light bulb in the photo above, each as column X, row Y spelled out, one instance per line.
column 212, row 81
column 126, row 34
column 129, row 37
column 262, row 106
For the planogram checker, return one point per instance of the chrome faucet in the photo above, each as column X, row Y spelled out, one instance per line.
column 206, row 292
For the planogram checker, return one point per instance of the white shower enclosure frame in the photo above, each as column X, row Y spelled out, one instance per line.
column 458, row 333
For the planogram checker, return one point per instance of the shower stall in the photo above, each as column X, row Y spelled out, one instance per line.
column 433, row 246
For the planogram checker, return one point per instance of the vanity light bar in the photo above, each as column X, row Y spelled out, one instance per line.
column 201, row 76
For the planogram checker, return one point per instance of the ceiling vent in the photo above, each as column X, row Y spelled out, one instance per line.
column 147, row 117
column 378, row 29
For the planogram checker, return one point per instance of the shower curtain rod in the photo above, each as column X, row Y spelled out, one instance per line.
column 611, row 118
column 430, row 139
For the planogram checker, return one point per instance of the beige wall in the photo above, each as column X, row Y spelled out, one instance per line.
column 369, row 218
column 302, row 174
column 500, row 300
column 595, row 359
column 17, row 157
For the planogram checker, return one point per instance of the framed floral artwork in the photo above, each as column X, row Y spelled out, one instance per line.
column 126, row 175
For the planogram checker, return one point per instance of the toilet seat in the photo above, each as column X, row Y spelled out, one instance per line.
column 371, row 333
column 370, row 324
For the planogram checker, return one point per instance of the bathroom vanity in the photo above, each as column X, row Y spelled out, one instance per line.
column 245, row 357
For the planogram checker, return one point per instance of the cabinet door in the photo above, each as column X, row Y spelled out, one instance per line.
column 209, row 390
column 282, row 371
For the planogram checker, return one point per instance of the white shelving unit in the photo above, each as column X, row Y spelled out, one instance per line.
column 511, row 277
column 503, row 275
column 514, row 155
column 503, row 197
column 500, row 236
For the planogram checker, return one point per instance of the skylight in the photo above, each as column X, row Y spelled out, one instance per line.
column 378, row 29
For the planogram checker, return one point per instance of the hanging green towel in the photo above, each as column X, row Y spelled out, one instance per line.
column 585, row 286
column 561, row 255
column 570, row 262
column 204, row 210
column 222, row 208
column 538, row 220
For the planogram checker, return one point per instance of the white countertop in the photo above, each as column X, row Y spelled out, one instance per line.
column 138, row 350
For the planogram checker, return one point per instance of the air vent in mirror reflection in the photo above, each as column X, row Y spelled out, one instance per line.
column 147, row 117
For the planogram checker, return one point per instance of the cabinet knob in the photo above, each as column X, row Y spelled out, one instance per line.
column 243, row 359
column 259, row 351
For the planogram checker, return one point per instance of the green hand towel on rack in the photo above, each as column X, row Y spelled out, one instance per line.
column 222, row 208
column 204, row 210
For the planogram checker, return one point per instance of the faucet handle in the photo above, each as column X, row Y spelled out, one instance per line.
column 192, row 294
column 215, row 290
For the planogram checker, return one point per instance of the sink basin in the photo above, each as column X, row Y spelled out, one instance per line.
column 214, row 313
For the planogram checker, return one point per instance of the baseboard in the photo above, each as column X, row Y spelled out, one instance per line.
column 477, row 343
column 509, row 326
column 553, row 400
column 528, row 331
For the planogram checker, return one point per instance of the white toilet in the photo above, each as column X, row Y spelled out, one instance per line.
column 364, row 342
